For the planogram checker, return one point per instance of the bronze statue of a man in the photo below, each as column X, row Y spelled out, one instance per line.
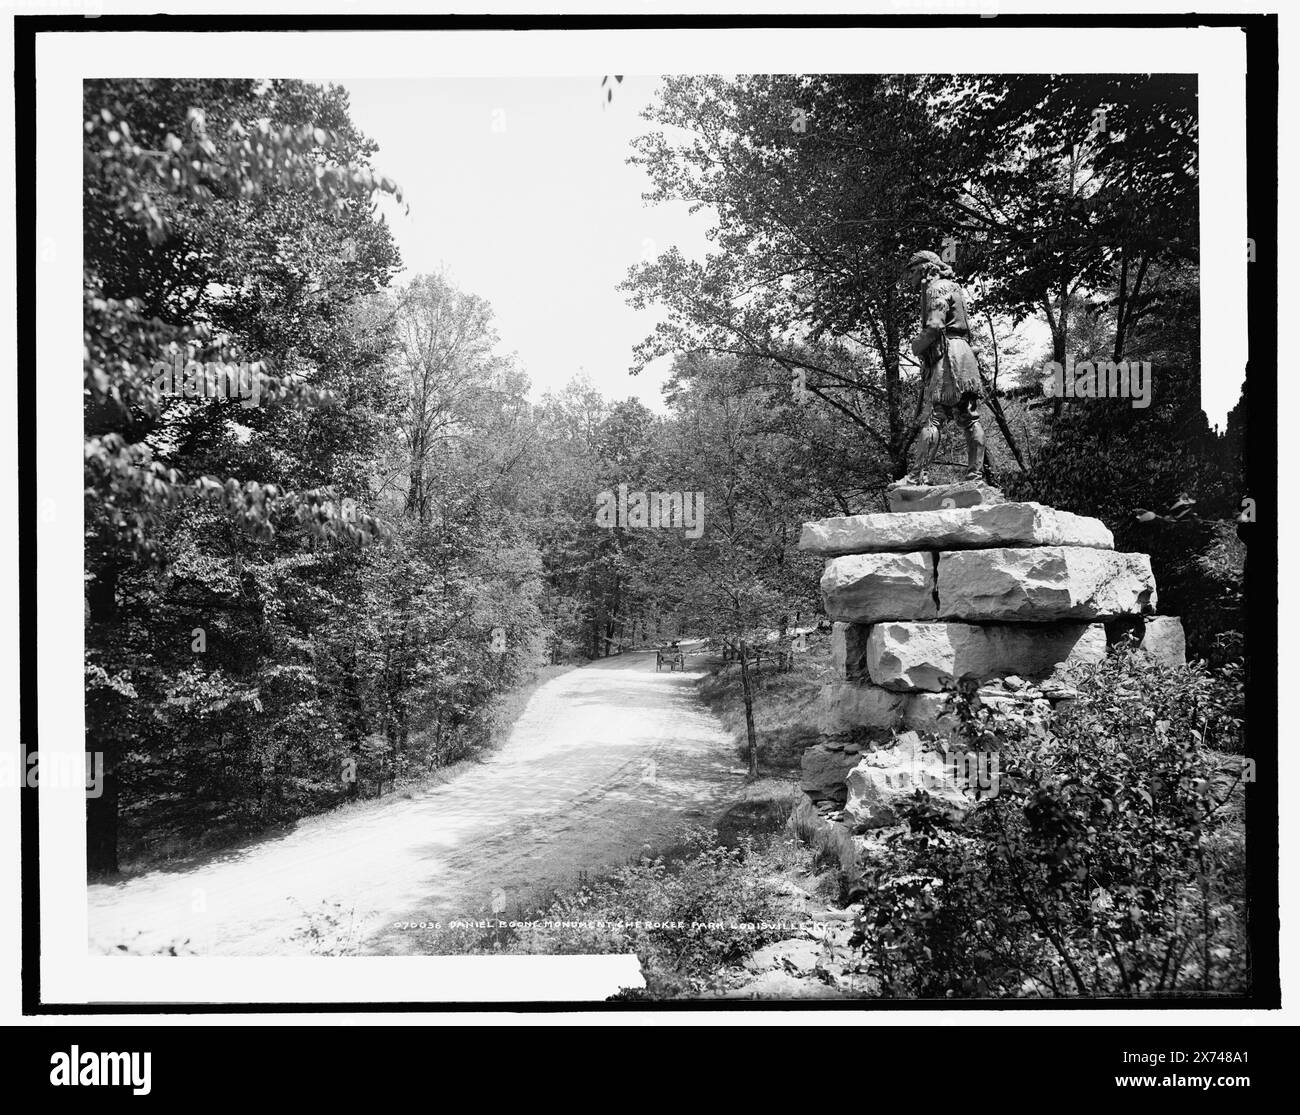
column 950, row 380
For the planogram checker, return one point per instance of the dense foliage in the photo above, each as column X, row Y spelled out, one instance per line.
column 1109, row 862
column 292, row 597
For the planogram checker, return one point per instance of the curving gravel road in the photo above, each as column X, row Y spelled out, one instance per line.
column 604, row 760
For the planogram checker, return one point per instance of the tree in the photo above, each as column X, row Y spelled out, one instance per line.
column 743, row 579
column 1079, row 185
column 207, row 206
column 820, row 198
column 445, row 343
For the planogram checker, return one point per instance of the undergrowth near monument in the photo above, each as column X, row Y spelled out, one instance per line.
column 1111, row 862
column 689, row 914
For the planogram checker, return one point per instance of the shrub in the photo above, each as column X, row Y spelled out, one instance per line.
column 712, row 903
column 1109, row 862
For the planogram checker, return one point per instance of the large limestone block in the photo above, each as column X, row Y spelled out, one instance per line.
column 1163, row 640
column 1043, row 584
column 822, row 772
column 847, row 705
column 935, row 656
column 887, row 777
column 957, row 528
column 865, row 588
column 849, row 649
column 935, row 497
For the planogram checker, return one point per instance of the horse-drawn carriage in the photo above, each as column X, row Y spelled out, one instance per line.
column 673, row 656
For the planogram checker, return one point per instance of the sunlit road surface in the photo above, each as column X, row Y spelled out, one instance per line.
column 605, row 760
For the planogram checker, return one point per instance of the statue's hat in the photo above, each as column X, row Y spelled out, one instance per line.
column 923, row 257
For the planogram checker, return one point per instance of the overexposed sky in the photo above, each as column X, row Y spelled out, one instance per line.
column 520, row 189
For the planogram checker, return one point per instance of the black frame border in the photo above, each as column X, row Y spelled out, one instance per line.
column 1261, row 578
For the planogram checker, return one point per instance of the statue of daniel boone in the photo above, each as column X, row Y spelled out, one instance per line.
column 950, row 380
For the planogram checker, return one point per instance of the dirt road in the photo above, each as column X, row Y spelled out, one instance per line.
column 604, row 760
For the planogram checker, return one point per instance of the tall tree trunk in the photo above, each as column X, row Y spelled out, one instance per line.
column 101, row 817
column 1058, row 327
column 1128, row 305
column 354, row 718
column 417, row 504
column 747, row 686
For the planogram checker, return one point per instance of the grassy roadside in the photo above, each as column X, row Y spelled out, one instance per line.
column 785, row 713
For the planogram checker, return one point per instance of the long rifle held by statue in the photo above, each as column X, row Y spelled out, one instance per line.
column 995, row 405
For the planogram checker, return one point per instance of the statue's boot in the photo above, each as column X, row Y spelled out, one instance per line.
column 975, row 451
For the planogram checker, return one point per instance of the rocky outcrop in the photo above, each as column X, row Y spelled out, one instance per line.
column 1033, row 585
column 847, row 706
column 932, row 713
column 832, row 837
column 1161, row 637
column 961, row 528
column 858, row 710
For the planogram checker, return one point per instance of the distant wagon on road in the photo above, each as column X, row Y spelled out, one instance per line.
column 672, row 656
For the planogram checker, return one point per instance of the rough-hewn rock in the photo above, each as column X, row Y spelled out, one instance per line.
column 887, row 776
column 1163, row 640
column 824, row 771
column 1041, row 584
column 865, row 588
column 959, row 528
column 849, row 649
column 846, row 705
column 939, row 496
column 935, row 656
column 932, row 713
column 1029, row 703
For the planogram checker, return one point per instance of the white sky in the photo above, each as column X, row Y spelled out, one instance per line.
column 541, row 216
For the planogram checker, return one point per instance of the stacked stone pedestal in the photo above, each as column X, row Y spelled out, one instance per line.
column 957, row 585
